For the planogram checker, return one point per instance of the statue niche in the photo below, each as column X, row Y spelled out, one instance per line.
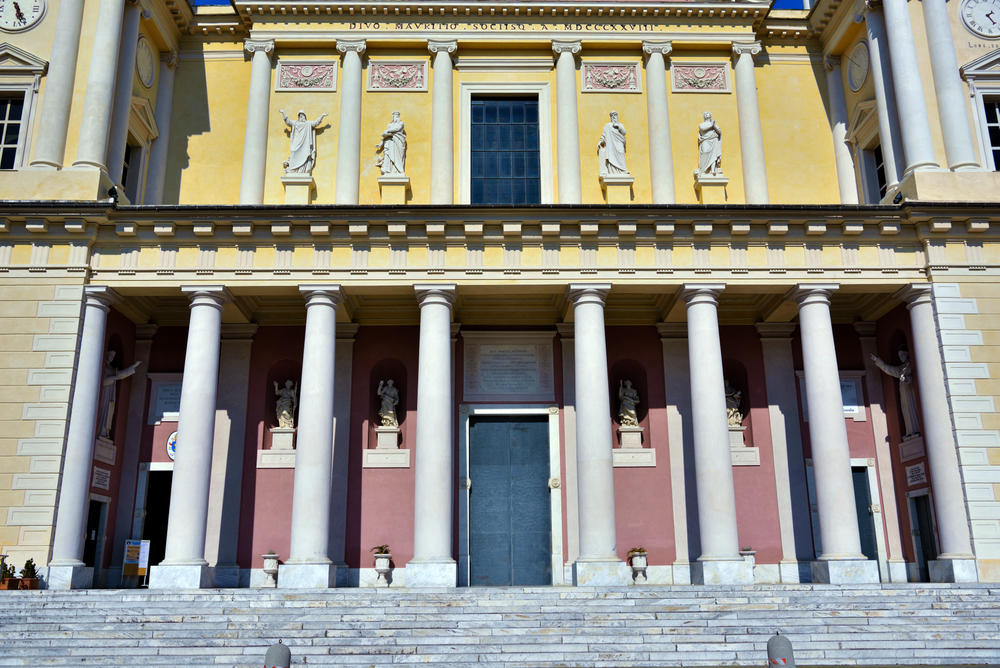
column 629, row 402
column 388, row 410
column 283, row 400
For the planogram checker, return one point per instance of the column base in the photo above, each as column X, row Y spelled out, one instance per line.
column 711, row 189
column 432, row 573
column 307, row 576
column 71, row 183
column 601, row 573
column 948, row 186
column 953, row 570
column 897, row 571
column 69, row 577
column 181, row 576
column 393, row 188
column 617, row 188
column 722, row 572
column 298, row 188
column 845, row 571
column 227, row 576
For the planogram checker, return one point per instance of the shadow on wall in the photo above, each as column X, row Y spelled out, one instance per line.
column 189, row 117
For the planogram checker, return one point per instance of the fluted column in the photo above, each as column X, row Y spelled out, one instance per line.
column 258, row 111
column 434, row 477
column 889, row 138
column 751, row 137
column 308, row 564
column 349, row 136
column 918, row 149
column 841, row 560
column 567, row 122
column 661, row 155
column 184, row 565
column 948, row 88
column 53, row 117
column 66, row 569
column 123, row 90
column 98, row 99
column 442, row 124
column 846, row 182
column 956, row 562
column 720, row 561
column 157, row 170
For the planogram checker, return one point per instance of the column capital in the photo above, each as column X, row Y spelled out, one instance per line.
column 775, row 330
column 330, row 294
column 865, row 329
column 448, row 46
column 238, row 331
column 589, row 293
column 255, row 45
column 566, row 330
column 145, row 332
column 812, row 293
column 572, row 47
column 170, row 58
column 916, row 293
column 746, row 48
column 701, row 293
column 663, row 47
column 831, row 63
column 672, row 330
column 435, row 293
column 206, row 295
column 356, row 45
column 871, row 6
column 100, row 296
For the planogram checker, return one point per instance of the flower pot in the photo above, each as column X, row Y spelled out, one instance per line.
column 382, row 568
column 10, row 584
column 637, row 560
column 271, row 569
column 29, row 583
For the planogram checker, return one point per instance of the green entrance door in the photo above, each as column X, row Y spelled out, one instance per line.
column 510, row 526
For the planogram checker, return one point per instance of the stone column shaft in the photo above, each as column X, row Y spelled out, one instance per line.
column 918, row 148
column 567, row 122
column 434, row 480
column 442, row 124
column 123, row 91
column 948, row 88
column 53, row 118
column 751, row 137
column 889, row 138
column 349, row 136
column 156, row 171
column 258, row 111
column 843, row 159
column 74, row 489
column 98, row 98
column 661, row 162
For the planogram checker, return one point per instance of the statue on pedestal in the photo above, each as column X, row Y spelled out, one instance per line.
column 393, row 148
column 709, row 146
column 388, row 395
column 907, row 401
column 734, row 416
column 628, row 399
column 286, row 404
column 302, row 149
column 109, row 392
column 611, row 149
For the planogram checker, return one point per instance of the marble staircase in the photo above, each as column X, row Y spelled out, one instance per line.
column 865, row 625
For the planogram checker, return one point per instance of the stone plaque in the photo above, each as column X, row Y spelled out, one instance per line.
column 166, row 403
column 101, row 478
column 513, row 366
column 316, row 76
column 699, row 77
column 916, row 475
column 610, row 78
column 397, row 75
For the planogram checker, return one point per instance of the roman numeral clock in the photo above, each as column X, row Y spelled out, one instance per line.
column 18, row 15
column 982, row 17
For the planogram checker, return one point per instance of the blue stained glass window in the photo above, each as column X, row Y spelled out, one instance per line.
column 505, row 167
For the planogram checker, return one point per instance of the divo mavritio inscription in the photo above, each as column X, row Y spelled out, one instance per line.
column 472, row 25
column 512, row 366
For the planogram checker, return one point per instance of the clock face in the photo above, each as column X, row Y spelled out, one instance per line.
column 17, row 15
column 981, row 17
column 857, row 66
column 145, row 62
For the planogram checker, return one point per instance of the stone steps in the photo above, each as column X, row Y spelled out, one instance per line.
column 865, row 625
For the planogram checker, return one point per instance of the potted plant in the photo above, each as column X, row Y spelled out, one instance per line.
column 271, row 568
column 29, row 575
column 382, row 559
column 8, row 579
column 637, row 560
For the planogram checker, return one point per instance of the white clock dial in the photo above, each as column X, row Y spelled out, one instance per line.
column 981, row 17
column 145, row 62
column 16, row 15
column 858, row 61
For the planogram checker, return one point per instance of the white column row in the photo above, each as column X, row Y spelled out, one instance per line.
column 890, row 139
column 122, row 108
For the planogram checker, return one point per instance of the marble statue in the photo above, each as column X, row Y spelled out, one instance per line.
column 628, row 399
column 907, row 401
column 709, row 146
column 286, row 404
column 393, row 148
column 734, row 416
column 611, row 149
column 109, row 392
column 388, row 395
column 302, row 147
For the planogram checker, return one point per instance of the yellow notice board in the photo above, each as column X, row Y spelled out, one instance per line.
column 136, row 558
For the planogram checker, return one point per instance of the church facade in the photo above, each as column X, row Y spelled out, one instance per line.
column 522, row 293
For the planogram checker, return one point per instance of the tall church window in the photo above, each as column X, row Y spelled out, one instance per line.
column 991, row 109
column 504, row 151
column 11, row 110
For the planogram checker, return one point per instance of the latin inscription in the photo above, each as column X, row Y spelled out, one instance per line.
column 497, row 369
column 499, row 26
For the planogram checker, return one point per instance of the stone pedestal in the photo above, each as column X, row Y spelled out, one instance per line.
column 930, row 185
column 630, row 437
column 617, row 189
column 953, row 570
column 736, row 437
column 69, row 577
column 307, row 576
column 387, row 438
column 711, row 189
column 393, row 188
column 432, row 573
column 911, row 447
column 283, row 438
column 298, row 188
column 722, row 571
column 181, row 576
column 845, row 571
column 104, row 450
column 601, row 573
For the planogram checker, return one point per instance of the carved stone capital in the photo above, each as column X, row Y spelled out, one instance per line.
column 748, row 48
column 356, row 45
column 872, row 5
column 448, row 46
column 565, row 46
column 662, row 47
column 831, row 63
column 170, row 59
column 255, row 45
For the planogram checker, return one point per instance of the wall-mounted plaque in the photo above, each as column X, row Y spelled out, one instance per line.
column 916, row 475
column 610, row 78
column 164, row 398
column 699, row 77
column 101, row 478
column 318, row 76
column 508, row 366
column 396, row 75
